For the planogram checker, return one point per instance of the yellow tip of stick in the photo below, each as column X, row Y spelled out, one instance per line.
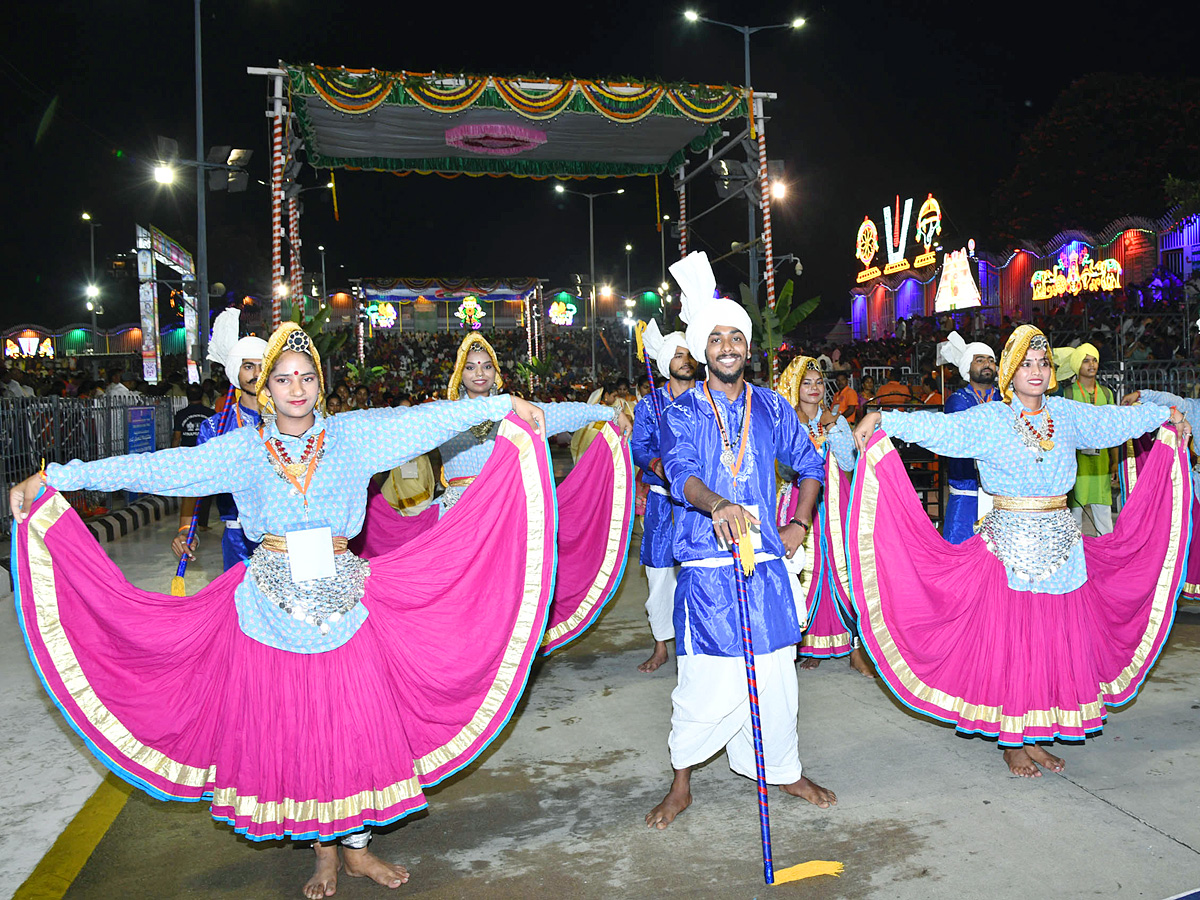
column 177, row 588
column 808, row 870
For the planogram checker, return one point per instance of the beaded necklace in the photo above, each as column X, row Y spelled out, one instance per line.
column 1029, row 433
column 728, row 460
column 289, row 470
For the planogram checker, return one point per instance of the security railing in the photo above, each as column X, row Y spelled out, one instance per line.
column 59, row 429
column 1177, row 378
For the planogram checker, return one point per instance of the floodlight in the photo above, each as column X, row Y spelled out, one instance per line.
column 692, row 16
column 798, row 22
column 559, row 189
column 92, row 291
column 164, row 174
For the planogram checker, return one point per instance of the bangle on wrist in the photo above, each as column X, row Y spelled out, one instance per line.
column 807, row 526
column 183, row 529
column 717, row 505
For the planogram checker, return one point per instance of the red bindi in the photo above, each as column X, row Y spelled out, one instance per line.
column 296, row 373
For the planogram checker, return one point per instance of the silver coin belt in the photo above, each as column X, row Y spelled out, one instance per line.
column 1034, row 545
column 320, row 602
column 451, row 495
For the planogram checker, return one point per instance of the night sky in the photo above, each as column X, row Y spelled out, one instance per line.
column 875, row 99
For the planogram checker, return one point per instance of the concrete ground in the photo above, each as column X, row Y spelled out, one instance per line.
column 555, row 807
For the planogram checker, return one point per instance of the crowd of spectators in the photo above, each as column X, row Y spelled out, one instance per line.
column 402, row 368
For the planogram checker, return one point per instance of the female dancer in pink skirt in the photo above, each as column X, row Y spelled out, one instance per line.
column 1135, row 455
column 966, row 633
column 832, row 631
column 595, row 502
column 308, row 694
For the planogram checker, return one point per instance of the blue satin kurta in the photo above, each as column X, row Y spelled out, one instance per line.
column 962, row 510
column 235, row 546
column 706, row 620
column 658, row 525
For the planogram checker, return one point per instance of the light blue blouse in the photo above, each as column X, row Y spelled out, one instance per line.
column 1010, row 468
column 1187, row 406
column 357, row 445
column 464, row 454
column 840, row 440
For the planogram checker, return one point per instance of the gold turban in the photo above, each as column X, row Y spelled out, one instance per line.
column 1014, row 354
column 469, row 343
column 288, row 336
column 793, row 377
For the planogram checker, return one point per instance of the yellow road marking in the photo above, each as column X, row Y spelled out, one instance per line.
column 64, row 861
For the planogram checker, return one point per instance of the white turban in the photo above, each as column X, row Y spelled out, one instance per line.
column 700, row 309
column 226, row 349
column 662, row 347
column 957, row 352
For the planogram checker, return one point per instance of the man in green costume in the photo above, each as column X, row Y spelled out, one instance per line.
column 1097, row 466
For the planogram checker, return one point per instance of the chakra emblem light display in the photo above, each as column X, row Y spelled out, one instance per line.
column 470, row 313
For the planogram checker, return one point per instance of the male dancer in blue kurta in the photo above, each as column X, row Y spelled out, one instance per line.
column 720, row 443
column 675, row 364
column 242, row 360
column 977, row 364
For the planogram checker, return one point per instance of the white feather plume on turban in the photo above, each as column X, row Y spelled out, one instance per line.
column 662, row 347
column 702, row 312
column 225, row 348
column 957, row 352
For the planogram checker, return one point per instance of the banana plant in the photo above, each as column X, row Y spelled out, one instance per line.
column 326, row 344
column 535, row 370
column 772, row 324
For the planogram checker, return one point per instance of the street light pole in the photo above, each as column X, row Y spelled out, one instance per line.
column 746, row 31
column 92, row 235
column 592, row 274
column 628, row 278
column 560, row 189
column 201, row 214
column 324, row 287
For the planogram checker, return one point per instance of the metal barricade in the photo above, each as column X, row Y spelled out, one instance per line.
column 59, row 429
column 1180, row 378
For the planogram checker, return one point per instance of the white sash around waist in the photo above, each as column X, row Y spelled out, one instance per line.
column 715, row 562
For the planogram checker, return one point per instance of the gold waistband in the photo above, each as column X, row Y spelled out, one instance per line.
column 1030, row 504
column 460, row 482
column 278, row 543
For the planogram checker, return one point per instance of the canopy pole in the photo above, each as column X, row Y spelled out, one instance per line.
column 277, row 206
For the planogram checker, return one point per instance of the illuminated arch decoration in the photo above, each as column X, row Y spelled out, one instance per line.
column 470, row 313
column 1076, row 272
column 929, row 222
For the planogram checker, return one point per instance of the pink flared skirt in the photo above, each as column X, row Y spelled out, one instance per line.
column 830, row 631
column 1134, row 452
column 595, row 516
column 953, row 641
column 172, row 696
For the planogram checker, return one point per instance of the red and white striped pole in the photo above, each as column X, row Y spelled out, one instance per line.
column 682, row 191
column 296, row 269
column 768, row 246
column 277, row 218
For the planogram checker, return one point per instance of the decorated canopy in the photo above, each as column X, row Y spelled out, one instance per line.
column 406, row 122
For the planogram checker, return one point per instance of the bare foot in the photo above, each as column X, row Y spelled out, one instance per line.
column 1020, row 763
column 365, row 864
column 860, row 663
column 809, row 663
column 1044, row 759
column 812, row 792
column 678, row 798
column 657, row 658
column 324, row 879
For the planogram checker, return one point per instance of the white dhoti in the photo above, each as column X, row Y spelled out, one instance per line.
column 711, row 712
column 660, row 605
column 1099, row 513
